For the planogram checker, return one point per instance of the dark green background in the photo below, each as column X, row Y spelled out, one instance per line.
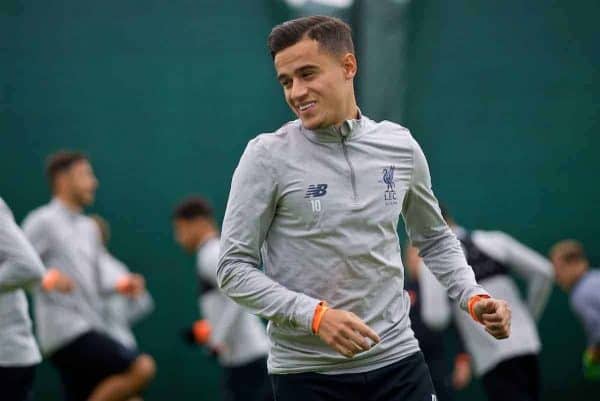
column 503, row 97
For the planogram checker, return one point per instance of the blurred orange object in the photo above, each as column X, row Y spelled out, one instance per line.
column 202, row 331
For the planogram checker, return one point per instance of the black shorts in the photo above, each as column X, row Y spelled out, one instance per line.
column 516, row 379
column 405, row 380
column 16, row 383
column 88, row 360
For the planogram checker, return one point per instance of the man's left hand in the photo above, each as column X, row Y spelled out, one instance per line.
column 495, row 315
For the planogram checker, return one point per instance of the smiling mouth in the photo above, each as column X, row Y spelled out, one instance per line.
column 306, row 106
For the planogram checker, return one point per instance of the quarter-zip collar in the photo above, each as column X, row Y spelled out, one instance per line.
column 348, row 129
column 59, row 205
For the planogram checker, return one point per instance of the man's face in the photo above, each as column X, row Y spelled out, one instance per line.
column 185, row 234
column 317, row 85
column 80, row 183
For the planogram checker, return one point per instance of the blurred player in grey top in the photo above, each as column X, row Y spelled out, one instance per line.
column 120, row 312
column 20, row 269
column 317, row 204
column 573, row 275
column 510, row 368
column 70, row 326
column 236, row 337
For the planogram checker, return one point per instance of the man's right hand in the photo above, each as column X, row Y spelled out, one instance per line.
column 345, row 332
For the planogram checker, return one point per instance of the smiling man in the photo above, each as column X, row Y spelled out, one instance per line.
column 317, row 204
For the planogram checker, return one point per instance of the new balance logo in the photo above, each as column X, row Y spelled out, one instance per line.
column 314, row 191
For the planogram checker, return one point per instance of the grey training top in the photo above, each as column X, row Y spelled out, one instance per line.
column 20, row 268
column 320, row 210
column 242, row 334
column 537, row 272
column 122, row 312
column 70, row 242
column 585, row 301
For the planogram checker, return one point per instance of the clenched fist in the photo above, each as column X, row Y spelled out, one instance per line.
column 495, row 315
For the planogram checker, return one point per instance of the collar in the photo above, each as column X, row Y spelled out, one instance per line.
column 60, row 206
column 348, row 129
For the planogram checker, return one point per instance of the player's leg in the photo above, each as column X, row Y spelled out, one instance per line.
column 96, row 368
column 406, row 380
column 126, row 384
column 16, row 383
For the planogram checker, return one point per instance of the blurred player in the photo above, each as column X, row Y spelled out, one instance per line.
column 120, row 312
column 509, row 369
column 574, row 276
column 92, row 366
column 430, row 319
column 237, row 337
column 317, row 204
column 20, row 269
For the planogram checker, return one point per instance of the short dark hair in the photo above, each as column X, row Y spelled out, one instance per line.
column 192, row 208
column 61, row 161
column 333, row 34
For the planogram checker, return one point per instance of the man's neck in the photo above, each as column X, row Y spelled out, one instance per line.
column 352, row 114
column 69, row 203
column 582, row 271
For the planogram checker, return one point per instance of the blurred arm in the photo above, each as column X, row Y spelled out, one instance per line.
column 20, row 266
column 207, row 270
column 525, row 262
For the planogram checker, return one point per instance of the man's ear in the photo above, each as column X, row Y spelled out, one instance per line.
column 350, row 65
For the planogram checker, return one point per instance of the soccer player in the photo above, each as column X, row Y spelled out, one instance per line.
column 20, row 269
column 509, row 369
column 120, row 312
column 237, row 337
column 317, row 205
column 574, row 276
column 92, row 366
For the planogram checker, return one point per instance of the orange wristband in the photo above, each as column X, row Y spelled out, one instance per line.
column 123, row 285
column 462, row 358
column 319, row 312
column 202, row 331
column 471, row 305
column 50, row 279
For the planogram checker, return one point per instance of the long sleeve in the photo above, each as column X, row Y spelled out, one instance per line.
column 111, row 270
column 585, row 301
column 20, row 266
column 428, row 231
column 250, row 211
column 208, row 258
column 525, row 262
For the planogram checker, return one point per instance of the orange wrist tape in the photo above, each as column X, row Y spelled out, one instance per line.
column 319, row 312
column 471, row 305
column 462, row 358
column 50, row 279
column 122, row 285
column 202, row 331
